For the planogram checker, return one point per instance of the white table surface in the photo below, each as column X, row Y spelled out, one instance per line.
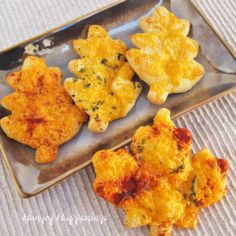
column 74, row 197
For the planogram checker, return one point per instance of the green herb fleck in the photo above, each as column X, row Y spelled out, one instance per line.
column 75, row 80
column 193, row 193
column 104, row 61
column 119, row 56
column 137, row 85
column 94, row 108
column 139, row 148
column 140, row 158
column 82, row 69
column 86, row 85
column 97, row 118
column 100, row 102
column 99, row 77
column 178, row 169
column 114, row 107
column 114, row 67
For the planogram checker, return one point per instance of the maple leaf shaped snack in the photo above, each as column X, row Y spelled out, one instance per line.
column 42, row 113
column 165, row 55
column 205, row 186
column 159, row 184
column 103, row 86
column 164, row 146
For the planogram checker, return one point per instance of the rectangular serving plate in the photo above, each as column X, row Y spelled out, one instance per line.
column 121, row 19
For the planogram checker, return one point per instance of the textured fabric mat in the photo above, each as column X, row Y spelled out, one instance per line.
column 222, row 15
column 212, row 125
column 23, row 19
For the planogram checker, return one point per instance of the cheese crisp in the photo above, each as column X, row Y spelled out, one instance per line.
column 159, row 183
column 165, row 55
column 43, row 115
column 103, row 85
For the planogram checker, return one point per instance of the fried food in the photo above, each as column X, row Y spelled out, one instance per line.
column 164, row 57
column 103, row 86
column 158, row 183
column 43, row 115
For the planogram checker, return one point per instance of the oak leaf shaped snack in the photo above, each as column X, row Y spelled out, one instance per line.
column 103, row 86
column 164, row 57
column 42, row 113
column 158, row 183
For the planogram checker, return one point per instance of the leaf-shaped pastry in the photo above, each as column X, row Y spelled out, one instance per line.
column 103, row 86
column 165, row 55
column 159, row 183
column 42, row 113
column 164, row 146
column 205, row 186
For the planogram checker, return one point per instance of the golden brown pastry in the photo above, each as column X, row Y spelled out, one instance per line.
column 103, row 85
column 205, row 185
column 158, row 183
column 43, row 115
column 164, row 57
